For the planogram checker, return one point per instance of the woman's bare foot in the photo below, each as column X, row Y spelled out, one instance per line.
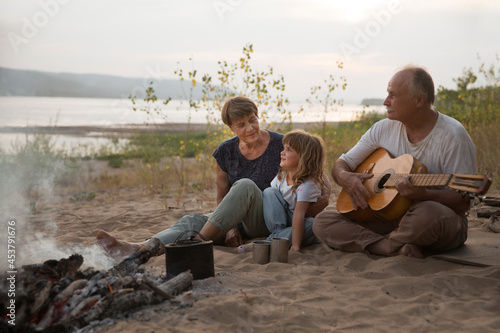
column 411, row 250
column 115, row 248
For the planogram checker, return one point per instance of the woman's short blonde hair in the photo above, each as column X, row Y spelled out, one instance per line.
column 237, row 108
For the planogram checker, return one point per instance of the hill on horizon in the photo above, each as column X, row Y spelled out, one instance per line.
column 372, row 101
column 14, row 82
column 18, row 82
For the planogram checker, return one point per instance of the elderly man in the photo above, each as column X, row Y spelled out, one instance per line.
column 436, row 219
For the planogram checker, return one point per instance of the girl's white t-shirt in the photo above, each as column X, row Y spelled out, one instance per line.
column 308, row 191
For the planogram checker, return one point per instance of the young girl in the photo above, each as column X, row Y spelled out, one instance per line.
column 298, row 183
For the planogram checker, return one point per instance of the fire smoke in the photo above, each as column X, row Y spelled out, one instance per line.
column 28, row 176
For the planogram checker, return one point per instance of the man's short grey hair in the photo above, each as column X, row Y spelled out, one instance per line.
column 422, row 82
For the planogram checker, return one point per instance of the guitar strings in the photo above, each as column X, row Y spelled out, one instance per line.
column 418, row 179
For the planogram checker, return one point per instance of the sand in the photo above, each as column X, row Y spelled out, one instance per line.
column 318, row 290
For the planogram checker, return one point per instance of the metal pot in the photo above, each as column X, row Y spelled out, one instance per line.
column 190, row 254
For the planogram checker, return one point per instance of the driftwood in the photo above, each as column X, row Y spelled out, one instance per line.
column 487, row 212
column 491, row 201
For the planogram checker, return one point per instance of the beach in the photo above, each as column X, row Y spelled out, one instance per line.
column 111, row 114
column 318, row 290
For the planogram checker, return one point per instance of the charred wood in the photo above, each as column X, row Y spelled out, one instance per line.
column 53, row 297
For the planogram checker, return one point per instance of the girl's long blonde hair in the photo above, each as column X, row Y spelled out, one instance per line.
column 311, row 150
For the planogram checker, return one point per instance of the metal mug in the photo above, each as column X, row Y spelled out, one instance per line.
column 261, row 250
column 279, row 249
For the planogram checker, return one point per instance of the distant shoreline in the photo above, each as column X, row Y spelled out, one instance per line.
column 125, row 130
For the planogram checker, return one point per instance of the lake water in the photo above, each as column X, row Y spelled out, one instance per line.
column 102, row 112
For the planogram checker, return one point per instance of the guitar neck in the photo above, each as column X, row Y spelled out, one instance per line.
column 417, row 179
column 468, row 183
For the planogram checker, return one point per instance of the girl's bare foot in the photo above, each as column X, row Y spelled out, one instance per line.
column 411, row 250
column 114, row 247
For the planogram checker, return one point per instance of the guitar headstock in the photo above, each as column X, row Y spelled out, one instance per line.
column 470, row 183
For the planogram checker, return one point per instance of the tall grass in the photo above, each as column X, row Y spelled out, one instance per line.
column 476, row 104
column 487, row 140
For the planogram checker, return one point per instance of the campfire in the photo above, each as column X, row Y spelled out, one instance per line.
column 57, row 296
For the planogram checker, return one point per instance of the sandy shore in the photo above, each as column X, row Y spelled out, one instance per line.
column 115, row 130
column 318, row 290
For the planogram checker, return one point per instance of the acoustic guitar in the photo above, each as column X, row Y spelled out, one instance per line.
column 387, row 171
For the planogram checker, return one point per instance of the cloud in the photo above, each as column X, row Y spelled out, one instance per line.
column 464, row 6
column 295, row 37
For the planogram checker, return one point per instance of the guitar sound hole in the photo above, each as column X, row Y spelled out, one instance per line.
column 382, row 181
column 379, row 183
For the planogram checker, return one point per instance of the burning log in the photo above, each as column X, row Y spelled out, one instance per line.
column 54, row 270
column 64, row 295
column 86, row 303
column 172, row 287
column 177, row 284
column 157, row 290
column 56, row 296
column 114, row 304
column 41, row 297
column 127, row 299
column 47, row 318
column 141, row 256
column 132, row 263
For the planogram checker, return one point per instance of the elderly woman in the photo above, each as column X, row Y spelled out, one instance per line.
column 246, row 165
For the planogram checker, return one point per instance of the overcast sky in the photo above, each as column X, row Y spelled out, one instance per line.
column 303, row 40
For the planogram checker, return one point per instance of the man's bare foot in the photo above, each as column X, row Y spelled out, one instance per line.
column 411, row 250
column 115, row 248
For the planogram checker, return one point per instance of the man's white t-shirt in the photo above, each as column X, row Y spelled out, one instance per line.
column 308, row 191
column 447, row 149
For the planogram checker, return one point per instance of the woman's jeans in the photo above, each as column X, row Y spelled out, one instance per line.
column 243, row 203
